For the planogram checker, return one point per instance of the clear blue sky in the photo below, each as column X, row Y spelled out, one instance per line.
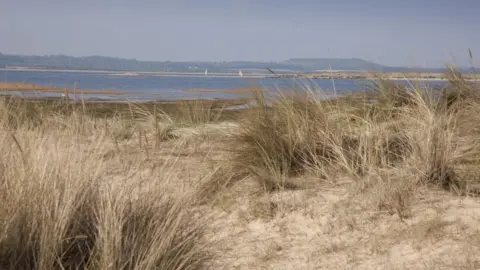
column 391, row 32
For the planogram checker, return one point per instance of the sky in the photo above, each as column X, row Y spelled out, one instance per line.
column 428, row 33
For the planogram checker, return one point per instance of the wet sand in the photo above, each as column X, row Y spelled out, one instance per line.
column 23, row 87
column 247, row 91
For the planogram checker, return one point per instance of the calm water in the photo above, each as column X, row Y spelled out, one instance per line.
column 150, row 87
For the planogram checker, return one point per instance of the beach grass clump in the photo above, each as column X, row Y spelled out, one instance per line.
column 400, row 138
column 17, row 113
column 60, row 209
column 305, row 133
column 390, row 127
column 150, row 120
column 439, row 136
column 197, row 112
column 283, row 139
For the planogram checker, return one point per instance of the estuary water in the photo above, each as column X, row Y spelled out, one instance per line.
column 147, row 87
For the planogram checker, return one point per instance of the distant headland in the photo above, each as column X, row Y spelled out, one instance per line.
column 131, row 66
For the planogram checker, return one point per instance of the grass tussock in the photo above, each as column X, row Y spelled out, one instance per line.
column 281, row 140
column 198, row 112
column 61, row 210
column 389, row 128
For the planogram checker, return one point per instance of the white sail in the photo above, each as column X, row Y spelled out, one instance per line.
column 240, row 73
column 206, row 71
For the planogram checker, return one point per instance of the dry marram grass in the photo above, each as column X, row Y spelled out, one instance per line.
column 383, row 179
column 63, row 209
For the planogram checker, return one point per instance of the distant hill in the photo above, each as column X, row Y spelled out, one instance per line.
column 119, row 64
column 335, row 64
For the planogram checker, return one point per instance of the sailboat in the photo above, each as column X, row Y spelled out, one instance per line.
column 240, row 73
column 206, row 71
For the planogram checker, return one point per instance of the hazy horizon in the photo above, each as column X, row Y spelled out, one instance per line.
column 393, row 33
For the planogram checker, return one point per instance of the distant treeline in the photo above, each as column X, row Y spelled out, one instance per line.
column 119, row 64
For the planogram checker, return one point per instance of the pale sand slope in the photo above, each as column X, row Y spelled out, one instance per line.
column 329, row 229
column 328, row 225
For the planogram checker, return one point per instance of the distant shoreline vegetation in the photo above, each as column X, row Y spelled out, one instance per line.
column 112, row 64
column 320, row 74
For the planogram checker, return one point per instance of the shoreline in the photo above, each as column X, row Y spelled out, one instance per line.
column 32, row 88
column 318, row 76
